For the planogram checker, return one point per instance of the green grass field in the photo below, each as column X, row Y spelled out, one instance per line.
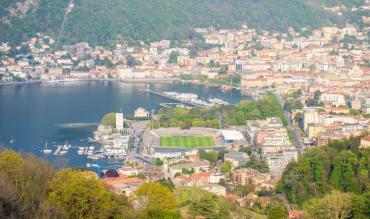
column 187, row 141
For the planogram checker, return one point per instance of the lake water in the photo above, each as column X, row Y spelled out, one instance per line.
column 32, row 114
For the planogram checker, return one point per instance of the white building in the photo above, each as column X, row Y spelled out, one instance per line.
column 278, row 162
column 141, row 113
column 310, row 116
column 119, row 121
column 215, row 178
column 232, row 136
column 335, row 99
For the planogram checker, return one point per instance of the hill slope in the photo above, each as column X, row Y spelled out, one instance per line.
column 341, row 165
column 99, row 21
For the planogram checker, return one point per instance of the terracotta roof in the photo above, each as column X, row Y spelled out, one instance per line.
column 366, row 138
column 121, row 180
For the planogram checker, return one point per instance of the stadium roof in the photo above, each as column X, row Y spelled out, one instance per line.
column 232, row 135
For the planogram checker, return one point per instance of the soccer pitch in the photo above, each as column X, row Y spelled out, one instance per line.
column 187, row 141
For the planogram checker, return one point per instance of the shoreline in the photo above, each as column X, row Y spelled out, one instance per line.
column 163, row 81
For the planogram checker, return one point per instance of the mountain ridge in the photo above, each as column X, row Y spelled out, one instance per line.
column 98, row 21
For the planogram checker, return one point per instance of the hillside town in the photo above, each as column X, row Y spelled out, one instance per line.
column 320, row 77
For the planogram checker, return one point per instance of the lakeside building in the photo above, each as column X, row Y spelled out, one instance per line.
column 141, row 113
column 119, row 121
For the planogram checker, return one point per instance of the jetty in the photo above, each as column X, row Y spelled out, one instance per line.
column 172, row 105
column 190, row 103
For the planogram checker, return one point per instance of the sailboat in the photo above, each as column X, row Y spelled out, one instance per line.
column 46, row 150
column 12, row 140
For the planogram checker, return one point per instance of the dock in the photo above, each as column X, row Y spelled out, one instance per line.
column 172, row 98
column 170, row 105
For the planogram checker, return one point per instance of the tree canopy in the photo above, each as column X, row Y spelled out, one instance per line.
column 154, row 20
column 341, row 165
column 236, row 114
column 109, row 119
column 81, row 197
column 156, row 201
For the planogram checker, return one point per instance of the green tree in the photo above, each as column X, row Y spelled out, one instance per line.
column 23, row 187
column 158, row 162
column 243, row 190
column 81, row 197
column 131, row 61
column 240, row 118
column 10, row 159
column 188, row 171
column 205, row 207
column 211, row 156
column 167, row 183
column 277, row 211
column 343, row 175
column 360, row 206
column 198, row 122
column 156, row 201
column 354, row 112
column 109, row 119
column 317, row 95
column 173, row 57
column 340, row 165
column 257, row 164
column 226, row 167
column 335, row 205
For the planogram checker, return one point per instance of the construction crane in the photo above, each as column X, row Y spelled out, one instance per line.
column 68, row 11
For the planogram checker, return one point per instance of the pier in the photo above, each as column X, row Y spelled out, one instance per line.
column 169, row 105
column 172, row 98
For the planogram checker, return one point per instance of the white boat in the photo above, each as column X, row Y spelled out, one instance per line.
column 46, row 150
column 66, row 146
column 57, row 151
column 62, row 80
column 81, row 150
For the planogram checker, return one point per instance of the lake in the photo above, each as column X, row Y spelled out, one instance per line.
column 32, row 114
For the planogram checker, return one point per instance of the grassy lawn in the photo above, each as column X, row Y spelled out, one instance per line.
column 187, row 141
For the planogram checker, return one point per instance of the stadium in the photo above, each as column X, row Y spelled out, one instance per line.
column 174, row 142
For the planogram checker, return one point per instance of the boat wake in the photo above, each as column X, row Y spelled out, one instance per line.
column 77, row 125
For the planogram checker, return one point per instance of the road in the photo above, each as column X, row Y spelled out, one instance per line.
column 137, row 134
column 291, row 127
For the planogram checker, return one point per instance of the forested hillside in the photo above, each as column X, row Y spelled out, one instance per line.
column 30, row 188
column 340, row 166
column 98, row 21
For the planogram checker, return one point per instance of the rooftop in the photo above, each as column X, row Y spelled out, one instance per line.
column 232, row 135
